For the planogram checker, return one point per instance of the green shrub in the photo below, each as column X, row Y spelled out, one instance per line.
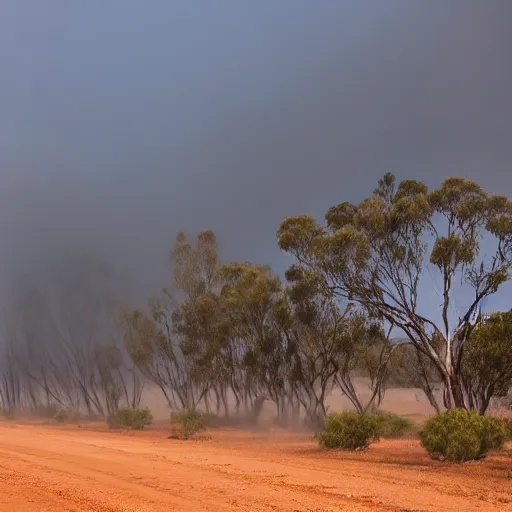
column 508, row 427
column 190, row 422
column 349, row 431
column 136, row 418
column 392, row 426
column 459, row 435
column 66, row 416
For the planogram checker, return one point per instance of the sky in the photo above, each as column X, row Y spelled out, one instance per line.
column 124, row 122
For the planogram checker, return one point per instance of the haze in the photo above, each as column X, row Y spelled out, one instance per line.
column 124, row 122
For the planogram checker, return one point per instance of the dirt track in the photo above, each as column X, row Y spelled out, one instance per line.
column 52, row 469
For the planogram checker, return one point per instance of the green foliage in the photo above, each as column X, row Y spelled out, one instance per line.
column 196, row 267
column 136, row 418
column 459, row 435
column 190, row 422
column 349, row 431
column 508, row 427
column 393, row 426
column 487, row 361
column 376, row 253
column 66, row 416
column 234, row 329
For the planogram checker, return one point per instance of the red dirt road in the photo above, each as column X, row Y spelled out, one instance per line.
column 53, row 469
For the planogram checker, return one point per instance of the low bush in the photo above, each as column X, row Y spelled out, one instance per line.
column 136, row 418
column 349, row 431
column 393, row 426
column 459, row 435
column 189, row 422
column 508, row 427
column 66, row 416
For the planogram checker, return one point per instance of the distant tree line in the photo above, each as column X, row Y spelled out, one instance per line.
column 227, row 335
column 59, row 348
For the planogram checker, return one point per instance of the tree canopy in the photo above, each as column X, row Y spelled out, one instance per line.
column 230, row 332
column 376, row 253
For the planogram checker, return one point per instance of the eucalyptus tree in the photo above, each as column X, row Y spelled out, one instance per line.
column 487, row 361
column 366, row 351
column 171, row 341
column 379, row 252
column 335, row 343
column 118, row 383
column 202, row 334
column 314, row 326
column 257, row 353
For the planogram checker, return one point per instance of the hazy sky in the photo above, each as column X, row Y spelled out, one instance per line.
column 124, row 121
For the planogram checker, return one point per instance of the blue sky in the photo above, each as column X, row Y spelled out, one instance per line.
column 126, row 121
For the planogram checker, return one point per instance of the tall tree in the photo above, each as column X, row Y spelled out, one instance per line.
column 335, row 343
column 376, row 253
column 257, row 354
column 174, row 341
column 315, row 326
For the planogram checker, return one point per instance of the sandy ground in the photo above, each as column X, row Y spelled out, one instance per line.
column 85, row 469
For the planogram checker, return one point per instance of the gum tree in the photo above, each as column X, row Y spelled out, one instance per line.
column 334, row 344
column 258, row 355
column 378, row 252
column 173, row 341
column 487, row 361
